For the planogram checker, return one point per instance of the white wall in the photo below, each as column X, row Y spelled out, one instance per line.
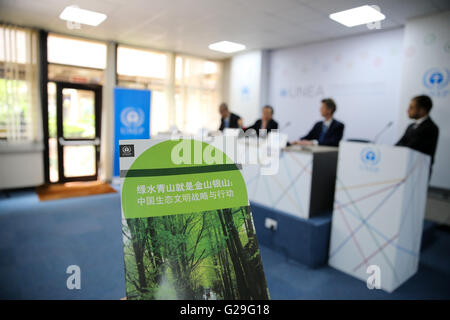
column 361, row 73
column 245, row 86
column 21, row 165
column 427, row 49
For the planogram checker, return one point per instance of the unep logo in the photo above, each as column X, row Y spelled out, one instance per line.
column 370, row 157
column 132, row 117
column 436, row 80
column 126, row 150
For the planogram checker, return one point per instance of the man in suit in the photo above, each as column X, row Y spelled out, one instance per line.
column 421, row 135
column 327, row 132
column 266, row 122
column 228, row 119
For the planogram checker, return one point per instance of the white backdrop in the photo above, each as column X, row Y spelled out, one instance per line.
column 361, row 73
column 245, row 86
column 426, row 70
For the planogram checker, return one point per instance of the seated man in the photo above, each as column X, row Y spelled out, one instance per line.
column 229, row 119
column 421, row 135
column 266, row 121
column 327, row 132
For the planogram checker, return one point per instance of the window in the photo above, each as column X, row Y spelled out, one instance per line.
column 73, row 74
column 145, row 69
column 185, row 90
column 52, row 133
column 76, row 52
column 19, row 102
column 75, row 60
column 141, row 63
column 197, row 93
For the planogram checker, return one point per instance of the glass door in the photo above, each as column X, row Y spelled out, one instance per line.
column 77, row 131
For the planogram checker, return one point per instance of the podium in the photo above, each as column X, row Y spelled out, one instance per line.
column 379, row 208
column 303, row 185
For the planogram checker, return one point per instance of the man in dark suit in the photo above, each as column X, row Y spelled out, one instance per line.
column 421, row 135
column 266, row 122
column 228, row 119
column 327, row 132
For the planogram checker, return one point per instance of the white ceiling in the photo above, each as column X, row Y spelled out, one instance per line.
column 189, row 26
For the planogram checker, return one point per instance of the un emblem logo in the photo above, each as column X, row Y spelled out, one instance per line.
column 126, row 150
column 370, row 156
column 132, row 117
column 436, row 78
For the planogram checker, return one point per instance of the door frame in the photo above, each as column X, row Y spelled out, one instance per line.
column 97, row 89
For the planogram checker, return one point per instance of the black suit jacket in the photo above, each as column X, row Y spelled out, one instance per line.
column 332, row 136
column 234, row 118
column 424, row 138
column 272, row 125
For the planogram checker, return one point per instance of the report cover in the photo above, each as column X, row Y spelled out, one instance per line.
column 187, row 228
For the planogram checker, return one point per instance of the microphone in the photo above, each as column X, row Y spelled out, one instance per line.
column 390, row 123
column 286, row 125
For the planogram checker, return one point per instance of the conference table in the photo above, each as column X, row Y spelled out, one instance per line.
column 292, row 205
column 302, row 185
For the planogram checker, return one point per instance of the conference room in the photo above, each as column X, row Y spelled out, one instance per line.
column 224, row 150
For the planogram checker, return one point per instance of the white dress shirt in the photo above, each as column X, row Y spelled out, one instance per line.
column 419, row 121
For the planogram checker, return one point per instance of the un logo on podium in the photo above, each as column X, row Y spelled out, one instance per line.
column 370, row 157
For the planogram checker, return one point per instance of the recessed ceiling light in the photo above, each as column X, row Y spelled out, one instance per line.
column 357, row 16
column 226, row 46
column 75, row 14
